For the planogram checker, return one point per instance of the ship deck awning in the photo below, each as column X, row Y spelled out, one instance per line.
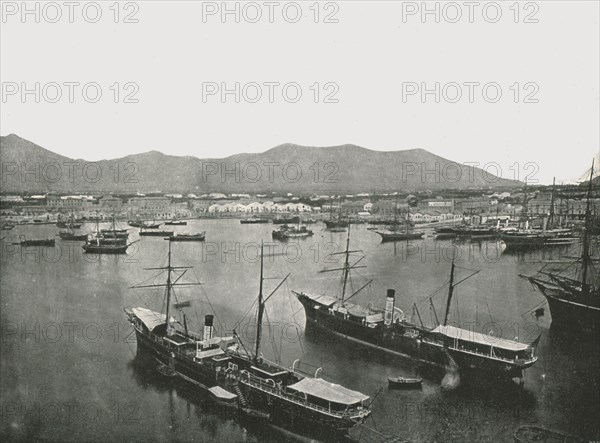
column 326, row 300
column 482, row 339
column 322, row 389
column 151, row 319
column 221, row 393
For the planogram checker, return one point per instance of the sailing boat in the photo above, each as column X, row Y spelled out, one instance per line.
column 107, row 241
column 574, row 302
column 260, row 388
column 335, row 223
column 69, row 234
column 549, row 235
column 60, row 223
column 393, row 234
column 388, row 330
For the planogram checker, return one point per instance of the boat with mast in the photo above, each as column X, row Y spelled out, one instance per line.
column 337, row 222
column 260, row 388
column 69, row 223
column 573, row 293
column 388, row 330
column 550, row 235
column 393, row 233
column 69, row 233
column 107, row 241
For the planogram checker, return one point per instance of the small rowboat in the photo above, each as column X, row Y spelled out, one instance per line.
column 403, row 382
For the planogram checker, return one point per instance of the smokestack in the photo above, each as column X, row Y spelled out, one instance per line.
column 208, row 327
column 389, row 307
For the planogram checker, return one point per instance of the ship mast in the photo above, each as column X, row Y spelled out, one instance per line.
column 169, row 289
column 450, row 291
column 346, row 265
column 585, row 253
column 261, row 306
column 551, row 215
column 169, row 285
column 451, row 287
column 525, row 214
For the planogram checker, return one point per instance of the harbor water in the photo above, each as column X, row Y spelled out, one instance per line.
column 69, row 370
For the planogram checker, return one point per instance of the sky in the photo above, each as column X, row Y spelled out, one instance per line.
column 516, row 86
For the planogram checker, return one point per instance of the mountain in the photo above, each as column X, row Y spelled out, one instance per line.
column 285, row 168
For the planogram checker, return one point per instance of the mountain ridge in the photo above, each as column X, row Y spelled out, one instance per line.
column 347, row 168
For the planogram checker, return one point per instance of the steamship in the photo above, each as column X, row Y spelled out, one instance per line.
column 387, row 329
column 223, row 366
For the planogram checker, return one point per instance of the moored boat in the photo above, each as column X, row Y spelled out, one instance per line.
column 223, row 366
column 394, row 234
column 155, row 233
column 404, row 382
column 573, row 292
column 98, row 248
column 388, row 330
column 36, row 242
column 286, row 220
column 253, row 221
column 201, row 236
column 286, row 232
column 176, row 223
column 68, row 235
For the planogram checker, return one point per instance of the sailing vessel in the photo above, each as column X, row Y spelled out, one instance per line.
column 69, row 233
column 259, row 388
column 394, row 234
column 550, row 235
column 107, row 241
column 60, row 223
column 138, row 222
column 388, row 330
column 337, row 222
column 573, row 294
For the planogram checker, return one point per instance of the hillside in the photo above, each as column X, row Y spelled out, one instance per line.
column 285, row 168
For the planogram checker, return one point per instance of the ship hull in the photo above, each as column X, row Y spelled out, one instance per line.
column 156, row 233
column 336, row 224
column 569, row 316
column 188, row 237
column 272, row 408
column 104, row 249
column 385, row 237
column 410, row 341
column 72, row 237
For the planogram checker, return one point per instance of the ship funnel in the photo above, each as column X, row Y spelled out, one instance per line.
column 208, row 327
column 389, row 307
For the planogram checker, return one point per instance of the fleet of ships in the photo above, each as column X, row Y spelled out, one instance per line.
column 307, row 403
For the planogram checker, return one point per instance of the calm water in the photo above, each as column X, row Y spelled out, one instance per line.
column 69, row 369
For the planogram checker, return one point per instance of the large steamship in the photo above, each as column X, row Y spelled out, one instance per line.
column 387, row 329
column 253, row 385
